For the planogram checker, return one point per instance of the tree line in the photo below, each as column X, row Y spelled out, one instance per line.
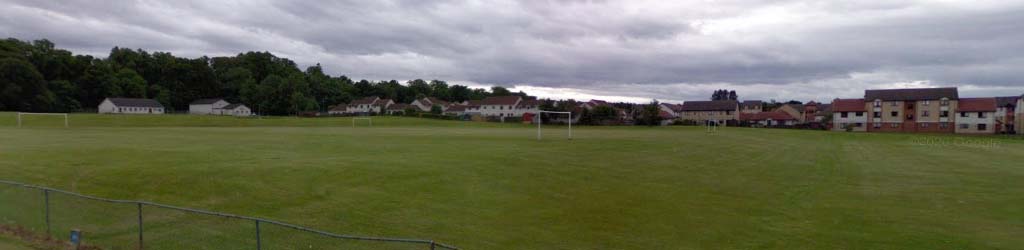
column 39, row 77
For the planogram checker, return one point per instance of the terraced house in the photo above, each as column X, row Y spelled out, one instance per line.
column 1006, row 108
column 720, row 112
column 912, row 110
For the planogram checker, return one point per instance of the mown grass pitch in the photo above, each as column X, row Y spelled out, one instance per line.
column 493, row 186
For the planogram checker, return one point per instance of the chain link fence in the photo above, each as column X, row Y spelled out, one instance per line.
column 124, row 224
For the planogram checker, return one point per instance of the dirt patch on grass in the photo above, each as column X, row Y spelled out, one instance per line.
column 38, row 241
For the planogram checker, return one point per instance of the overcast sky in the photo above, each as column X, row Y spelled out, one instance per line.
column 616, row 50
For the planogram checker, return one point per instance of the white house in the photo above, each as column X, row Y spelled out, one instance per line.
column 341, row 109
column 236, row 109
column 426, row 103
column 498, row 106
column 527, row 106
column 850, row 113
column 207, row 106
column 368, row 105
column 976, row 116
column 130, row 106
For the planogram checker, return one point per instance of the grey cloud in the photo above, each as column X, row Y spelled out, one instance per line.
column 660, row 49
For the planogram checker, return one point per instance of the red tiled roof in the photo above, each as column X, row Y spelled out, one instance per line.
column 848, row 105
column 775, row 115
column 665, row 115
column 435, row 101
column 977, row 104
column 500, row 100
column 398, row 106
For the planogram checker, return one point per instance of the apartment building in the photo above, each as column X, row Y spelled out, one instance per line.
column 720, row 112
column 849, row 113
column 976, row 116
column 911, row 110
column 1006, row 109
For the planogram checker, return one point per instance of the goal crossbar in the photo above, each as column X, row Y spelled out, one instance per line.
column 361, row 118
column 541, row 120
column 65, row 115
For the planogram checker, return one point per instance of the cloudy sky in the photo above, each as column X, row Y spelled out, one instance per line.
column 630, row 50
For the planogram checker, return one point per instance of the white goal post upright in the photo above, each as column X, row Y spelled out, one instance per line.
column 65, row 115
column 541, row 120
column 712, row 126
column 361, row 118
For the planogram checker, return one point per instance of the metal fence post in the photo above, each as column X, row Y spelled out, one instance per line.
column 46, row 197
column 432, row 245
column 258, row 241
column 140, row 224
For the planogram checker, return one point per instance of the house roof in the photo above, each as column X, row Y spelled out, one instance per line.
column 382, row 102
column 977, row 104
column 774, row 115
column 457, row 108
column 500, row 100
column 824, row 108
column 435, row 101
column 1007, row 101
column 751, row 104
column 665, row 115
column 797, row 107
column 474, row 102
column 911, row 94
column 709, row 105
column 340, row 107
column 206, row 101
column 398, row 106
column 528, row 103
column 365, row 100
column 672, row 106
column 848, row 105
column 135, row 102
column 233, row 106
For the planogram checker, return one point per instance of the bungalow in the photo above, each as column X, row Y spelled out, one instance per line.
column 751, row 107
column 130, row 106
column 236, row 109
column 911, row 110
column 340, row 109
column 849, row 113
column 594, row 103
column 768, row 119
column 458, row 110
column 207, row 106
column 1006, row 107
column 976, row 116
column 720, row 112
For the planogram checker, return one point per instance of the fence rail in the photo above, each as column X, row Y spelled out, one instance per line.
column 16, row 205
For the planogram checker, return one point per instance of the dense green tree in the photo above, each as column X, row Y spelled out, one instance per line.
column 500, row 91
column 22, row 87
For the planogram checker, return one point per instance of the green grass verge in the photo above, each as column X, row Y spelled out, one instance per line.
column 492, row 186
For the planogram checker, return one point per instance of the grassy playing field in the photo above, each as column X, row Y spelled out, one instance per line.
column 493, row 186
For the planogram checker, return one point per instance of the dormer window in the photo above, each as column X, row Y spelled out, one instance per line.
column 878, row 103
column 944, row 101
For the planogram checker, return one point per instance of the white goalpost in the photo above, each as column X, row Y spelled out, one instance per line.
column 541, row 120
column 65, row 115
column 712, row 126
column 369, row 120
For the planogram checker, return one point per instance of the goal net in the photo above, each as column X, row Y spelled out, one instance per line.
column 22, row 119
column 369, row 121
column 554, row 117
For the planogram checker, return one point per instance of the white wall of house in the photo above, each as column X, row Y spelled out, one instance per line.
column 237, row 111
column 839, row 122
column 107, row 107
column 206, row 109
column 498, row 110
column 975, row 122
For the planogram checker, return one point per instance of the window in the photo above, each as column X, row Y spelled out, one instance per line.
column 981, row 114
column 842, row 125
column 982, row 127
column 878, row 115
column 894, row 104
column 895, row 113
column 965, row 126
column 944, row 102
column 860, row 114
column 844, row 114
column 925, row 103
column 858, row 124
column 925, row 113
column 944, row 114
column 963, row 114
column 924, row 125
column 943, row 125
column 877, row 125
column 894, row 125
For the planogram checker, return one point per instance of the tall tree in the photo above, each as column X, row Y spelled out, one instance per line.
column 22, row 87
